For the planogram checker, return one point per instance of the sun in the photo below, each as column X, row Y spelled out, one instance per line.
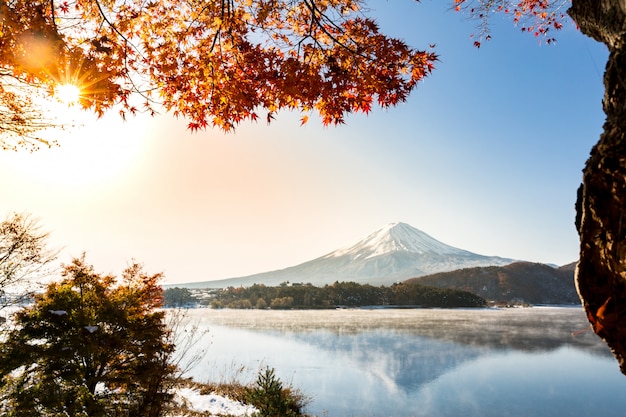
column 67, row 93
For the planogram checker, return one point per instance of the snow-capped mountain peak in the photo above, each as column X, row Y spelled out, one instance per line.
column 395, row 252
column 396, row 237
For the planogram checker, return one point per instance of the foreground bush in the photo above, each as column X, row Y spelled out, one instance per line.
column 272, row 400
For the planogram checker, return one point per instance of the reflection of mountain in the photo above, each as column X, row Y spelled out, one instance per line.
column 393, row 253
column 400, row 362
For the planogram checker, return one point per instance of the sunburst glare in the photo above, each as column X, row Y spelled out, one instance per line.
column 67, row 93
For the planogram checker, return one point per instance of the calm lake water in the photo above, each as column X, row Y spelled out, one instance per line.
column 402, row 363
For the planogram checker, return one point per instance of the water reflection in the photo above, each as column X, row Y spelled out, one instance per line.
column 402, row 361
column 425, row 362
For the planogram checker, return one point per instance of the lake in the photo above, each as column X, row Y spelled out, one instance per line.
column 420, row 362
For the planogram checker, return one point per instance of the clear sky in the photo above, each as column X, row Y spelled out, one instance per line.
column 486, row 155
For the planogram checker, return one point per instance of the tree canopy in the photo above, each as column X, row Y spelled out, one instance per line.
column 91, row 345
column 215, row 63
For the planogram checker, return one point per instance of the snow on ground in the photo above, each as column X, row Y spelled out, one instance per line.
column 216, row 405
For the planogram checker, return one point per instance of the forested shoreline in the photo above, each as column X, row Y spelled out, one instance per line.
column 340, row 294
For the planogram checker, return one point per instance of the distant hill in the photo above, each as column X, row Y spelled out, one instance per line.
column 527, row 282
column 393, row 253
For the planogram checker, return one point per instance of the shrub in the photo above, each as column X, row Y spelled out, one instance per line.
column 272, row 400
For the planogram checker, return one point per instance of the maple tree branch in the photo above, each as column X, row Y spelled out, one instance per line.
column 127, row 45
column 215, row 38
column 319, row 24
column 218, row 31
column 53, row 19
column 195, row 19
column 108, row 22
column 227, row 5
column 127, row 41
column 534, row 16
column 312, row 6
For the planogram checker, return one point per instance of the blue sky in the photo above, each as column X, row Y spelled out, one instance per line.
column 485, row 155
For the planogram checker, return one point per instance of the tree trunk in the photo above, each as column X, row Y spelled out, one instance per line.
column 601, row 205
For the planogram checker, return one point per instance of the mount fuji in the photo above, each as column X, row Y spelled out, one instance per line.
column 395, row 252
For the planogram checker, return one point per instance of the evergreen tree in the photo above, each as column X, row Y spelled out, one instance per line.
column 91, row 345
column 271, row 399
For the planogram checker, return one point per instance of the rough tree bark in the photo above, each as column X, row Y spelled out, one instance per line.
column 601, row 205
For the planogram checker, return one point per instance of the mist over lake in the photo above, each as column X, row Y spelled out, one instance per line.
column 420, row 362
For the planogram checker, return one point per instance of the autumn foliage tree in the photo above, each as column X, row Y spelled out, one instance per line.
column 91, row 345
column 215, row 62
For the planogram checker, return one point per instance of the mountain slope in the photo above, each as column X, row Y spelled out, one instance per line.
column 532, row 283
column 393, row 253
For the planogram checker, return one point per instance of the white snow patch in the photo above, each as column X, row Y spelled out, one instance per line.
column 58, row 312
column 214, row 404
column 91, row 329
